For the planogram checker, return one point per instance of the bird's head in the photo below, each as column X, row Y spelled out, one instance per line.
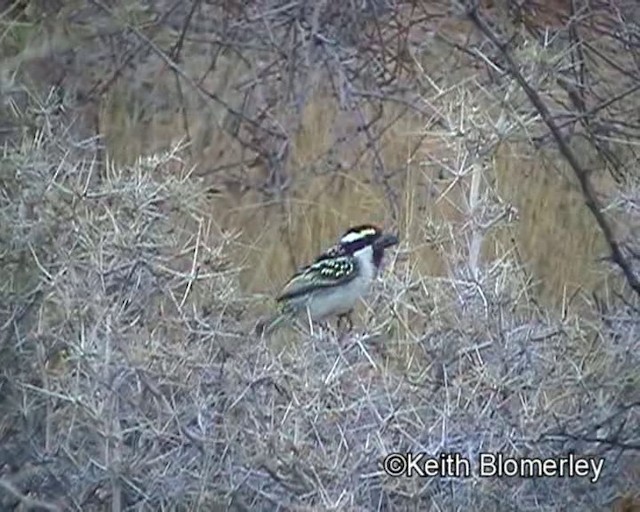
column 366, row 239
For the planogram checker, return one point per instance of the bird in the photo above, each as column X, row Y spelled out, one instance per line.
column 334, row 282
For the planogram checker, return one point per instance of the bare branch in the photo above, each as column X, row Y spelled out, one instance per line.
column 581, row 174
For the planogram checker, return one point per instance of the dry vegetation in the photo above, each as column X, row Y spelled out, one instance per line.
column 167, row 164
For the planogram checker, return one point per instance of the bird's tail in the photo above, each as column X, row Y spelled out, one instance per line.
column 267, row 326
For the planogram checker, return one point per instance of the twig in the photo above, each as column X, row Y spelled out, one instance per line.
column 581, row 174
column 29, row 503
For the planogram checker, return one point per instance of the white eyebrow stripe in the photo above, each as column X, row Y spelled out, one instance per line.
column 356, row 235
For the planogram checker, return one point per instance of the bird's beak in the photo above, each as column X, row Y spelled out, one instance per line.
column 386, row 240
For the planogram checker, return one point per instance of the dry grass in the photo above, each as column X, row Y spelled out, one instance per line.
column 129, row 289
column 131, row 381
column 320, row 207
column 332, row 183
column 143, row 113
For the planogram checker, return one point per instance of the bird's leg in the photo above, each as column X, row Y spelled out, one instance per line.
column 326, row 326
column 322, row 324
column 346, row 317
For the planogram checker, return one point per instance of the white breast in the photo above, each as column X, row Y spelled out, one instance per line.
column 328, row 302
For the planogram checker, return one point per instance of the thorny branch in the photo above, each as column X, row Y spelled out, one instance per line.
column 26, row 501
column 130, row 332
column 581, row 174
